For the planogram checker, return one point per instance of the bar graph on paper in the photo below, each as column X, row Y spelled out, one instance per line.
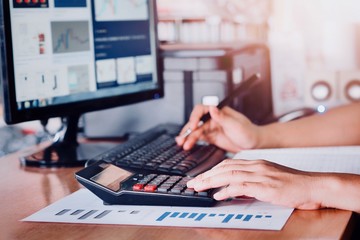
column 221, row 217
column 84, row 207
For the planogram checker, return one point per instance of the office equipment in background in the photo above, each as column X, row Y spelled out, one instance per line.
column 257, row 104
column 321, row 89
column 238, row 62
column 327, row 89
column 349, row 86
column 191, row 74
column 63, row 59
column 84, row 207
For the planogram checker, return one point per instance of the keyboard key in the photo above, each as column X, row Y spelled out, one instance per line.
column 180, row 168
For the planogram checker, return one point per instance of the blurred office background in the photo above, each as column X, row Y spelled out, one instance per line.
column 314, row 44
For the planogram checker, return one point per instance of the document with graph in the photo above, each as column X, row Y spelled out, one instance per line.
column 343, row 159
column 83, row 207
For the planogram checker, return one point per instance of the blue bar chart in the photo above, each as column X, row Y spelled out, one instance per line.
column 222, row 217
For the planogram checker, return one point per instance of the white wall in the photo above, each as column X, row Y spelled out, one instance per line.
column 308, row 39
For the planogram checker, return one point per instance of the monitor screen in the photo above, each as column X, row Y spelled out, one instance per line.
column 63, row 57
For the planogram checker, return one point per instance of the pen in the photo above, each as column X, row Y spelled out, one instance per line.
column 244, row 86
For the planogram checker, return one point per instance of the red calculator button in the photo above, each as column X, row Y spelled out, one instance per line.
column 150, row 188
column 138, row 187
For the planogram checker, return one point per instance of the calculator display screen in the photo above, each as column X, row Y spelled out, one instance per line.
column 111, row 177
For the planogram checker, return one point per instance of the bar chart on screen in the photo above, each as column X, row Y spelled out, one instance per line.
column 84, row 207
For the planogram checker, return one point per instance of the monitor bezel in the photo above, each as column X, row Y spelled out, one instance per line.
column 13, row 115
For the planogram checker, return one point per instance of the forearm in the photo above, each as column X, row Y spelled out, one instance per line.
column 339, row 126
column 337, row 191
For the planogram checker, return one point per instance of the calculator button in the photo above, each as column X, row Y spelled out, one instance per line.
column 180, row 185
column 189, row 191
column 163, row 189
column 167, row 185
column 176, row 190
column 138, row 187
column 204, row 194
column 150, row 188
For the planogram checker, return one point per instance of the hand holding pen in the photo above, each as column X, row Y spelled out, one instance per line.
column 203, row 111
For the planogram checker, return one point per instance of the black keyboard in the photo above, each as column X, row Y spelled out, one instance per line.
column 115, row 185
column 156, row 151
column 153, row 153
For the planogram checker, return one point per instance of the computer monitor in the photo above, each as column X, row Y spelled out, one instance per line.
column 62, row 58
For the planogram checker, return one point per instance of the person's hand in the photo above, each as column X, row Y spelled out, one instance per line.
column 227, row 129
column 263, row 180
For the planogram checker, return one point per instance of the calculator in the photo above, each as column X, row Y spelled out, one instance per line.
column 115, row 185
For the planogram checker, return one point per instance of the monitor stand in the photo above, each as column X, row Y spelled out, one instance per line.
column 65, row 150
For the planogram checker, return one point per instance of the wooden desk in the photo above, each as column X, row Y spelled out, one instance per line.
column 27, row 190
